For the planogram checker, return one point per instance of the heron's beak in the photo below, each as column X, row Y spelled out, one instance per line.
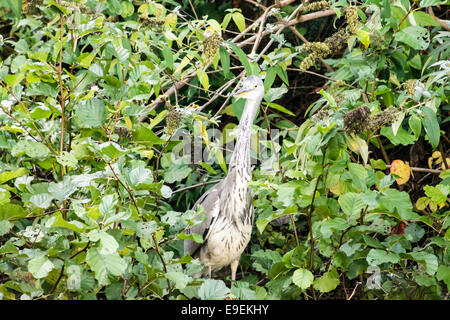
column 240, row 92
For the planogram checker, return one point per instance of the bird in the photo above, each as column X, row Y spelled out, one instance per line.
column 228, row 205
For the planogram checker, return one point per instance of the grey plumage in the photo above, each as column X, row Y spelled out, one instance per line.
column 229, row 204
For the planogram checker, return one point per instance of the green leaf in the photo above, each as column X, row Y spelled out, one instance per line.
column 270, row 78
column 142, row 134
column 179, row 278
column 5, row 226
column 13, row 80
column 31, row 148
column 352, row 204
column 429, row 3
column 416, row 125
column 402, row 136
column 85, row 59
column 429, row 260
column 203, row 78
column 105, row 265
column 114, row 7
column 9, row 175
column 74, row 225
column 168, row 57
column 424, row 19
column 40, row 267
column 127, row 9
column 177, row 173
column 280, row 108
column 275, row 93
column 67, row 159
column 239, row 19
column 328, row 282
column 414, row 36
column 91, row 113
column 443, row 274
column 62, row 190
column 303, row 278
column 242, row 58
column 11, row 211
column 225, row 61
column 15, row 6
column 213, row 290
column 431, row 126
column 376, row 257
column 111, row 150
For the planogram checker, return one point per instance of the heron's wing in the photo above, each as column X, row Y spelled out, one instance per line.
column 210, row 201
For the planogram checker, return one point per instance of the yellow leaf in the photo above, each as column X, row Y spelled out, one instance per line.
column 364, row 37
column 422, row 203
column 402, row 170
column 204, row 133
column 128, row 122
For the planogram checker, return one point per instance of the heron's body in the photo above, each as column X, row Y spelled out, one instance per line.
column 229, row 204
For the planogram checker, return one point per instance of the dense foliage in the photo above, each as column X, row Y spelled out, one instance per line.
column 101, row 102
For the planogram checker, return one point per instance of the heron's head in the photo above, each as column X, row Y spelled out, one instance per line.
column 252, row 88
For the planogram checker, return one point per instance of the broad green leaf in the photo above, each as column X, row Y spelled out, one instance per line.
column 213, row 290
column 303, row 278
column 41, row 200
column 140, row 177
column 429, row 3
column 13, row 80
column 127, row 9
column 424, row 19
column 179, row 278
column 275, row 93
column 31, row 148
column 429, row 260
column 402, row 136
column 328, row 282
column 40, row 267
column 414, row 36
column 74, row 225
column 105, row 265
column 111, row 150
column 11, row 211
column 376, row 257
column 85, row 59
column 91, row 113
column 67, row 159
column 177, row 173
column 9, row 175
column 62, row 190
column 142, row 134
column 352, row 204
column 443, row 274
column 114, row 7
column 5, row 226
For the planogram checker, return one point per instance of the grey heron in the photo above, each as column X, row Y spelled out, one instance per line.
column 229, row 204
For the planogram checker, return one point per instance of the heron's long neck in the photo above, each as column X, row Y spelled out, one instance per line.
column 240, row 159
